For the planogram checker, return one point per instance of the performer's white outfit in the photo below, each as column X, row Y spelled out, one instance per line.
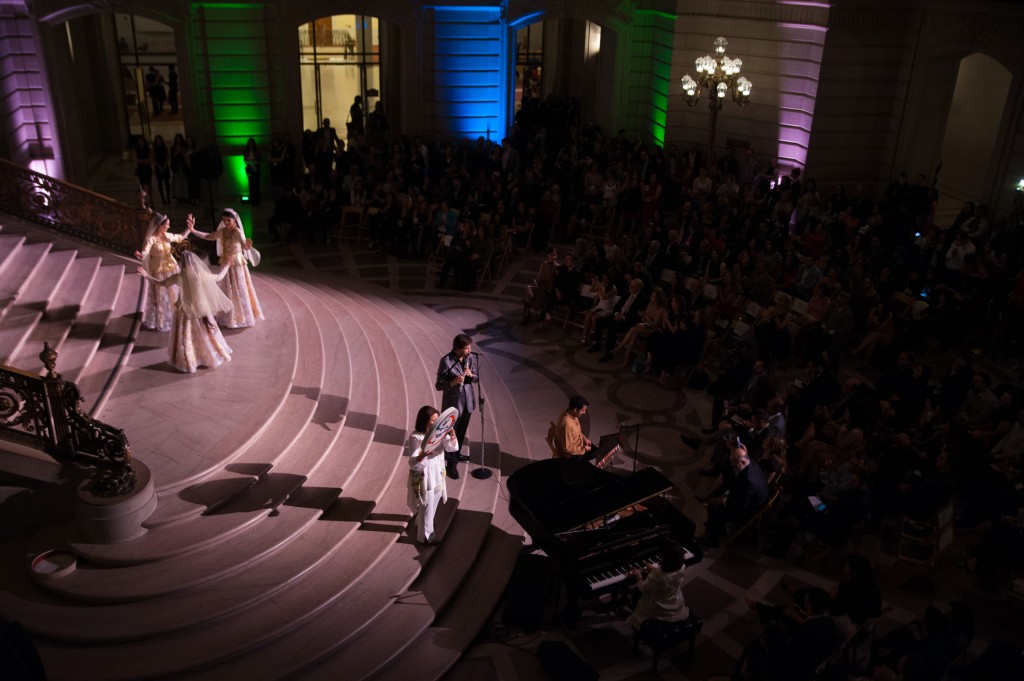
column 236, row 256
column 427, row 487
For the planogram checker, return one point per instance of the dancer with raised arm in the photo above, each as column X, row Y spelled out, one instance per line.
column 157, row 258
column 236, row 254
column 195, row 339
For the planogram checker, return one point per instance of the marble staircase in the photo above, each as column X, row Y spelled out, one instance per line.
column 280, row 547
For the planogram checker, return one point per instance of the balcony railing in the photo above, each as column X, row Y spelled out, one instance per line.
column 71, row 209
column 42, row 412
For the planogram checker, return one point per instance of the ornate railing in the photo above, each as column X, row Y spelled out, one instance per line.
column 43, row 412
column 71, row 209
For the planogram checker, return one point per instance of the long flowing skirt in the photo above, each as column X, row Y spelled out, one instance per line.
column 196, row 343
column 158, row 312
column 245, row 306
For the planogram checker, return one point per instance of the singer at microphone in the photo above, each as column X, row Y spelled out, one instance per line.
column 456, row 375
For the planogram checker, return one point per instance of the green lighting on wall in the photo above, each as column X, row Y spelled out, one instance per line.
column 233, row 53
column 656, row 13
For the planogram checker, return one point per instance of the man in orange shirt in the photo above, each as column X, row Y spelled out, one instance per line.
column 565, row 436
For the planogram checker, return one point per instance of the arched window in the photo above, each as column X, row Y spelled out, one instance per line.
column 339, row 59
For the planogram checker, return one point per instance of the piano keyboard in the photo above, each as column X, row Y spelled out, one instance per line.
column 613, row 575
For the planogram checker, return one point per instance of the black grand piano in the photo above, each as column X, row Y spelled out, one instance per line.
column 595, row 525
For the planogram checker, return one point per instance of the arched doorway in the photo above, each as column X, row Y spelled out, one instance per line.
column 97, row 67
column 567, row 57
column 339, row 59
column 969, row 143
column 149, row 76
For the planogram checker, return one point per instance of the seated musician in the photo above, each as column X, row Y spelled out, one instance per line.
column 744, row 490
column 566, row 437
column 661, row 589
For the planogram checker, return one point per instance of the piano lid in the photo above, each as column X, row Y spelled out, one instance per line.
column 564, row 495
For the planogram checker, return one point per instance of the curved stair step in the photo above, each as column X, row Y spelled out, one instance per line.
column 19, row 269
column 379, row 608
column 441, row 644
column 98, row 379
column 281, row 437
column 27, row 309
column 212, row 413
column 9, row 247
column 83, row 338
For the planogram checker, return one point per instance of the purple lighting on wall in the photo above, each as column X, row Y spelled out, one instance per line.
column 25, row 111
column 798, row 87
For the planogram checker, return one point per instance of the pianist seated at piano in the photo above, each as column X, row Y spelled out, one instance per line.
column 565, row 437
column 661, row 588
column 744, row 490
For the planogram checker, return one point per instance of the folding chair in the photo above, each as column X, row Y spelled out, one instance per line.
column 351, row 216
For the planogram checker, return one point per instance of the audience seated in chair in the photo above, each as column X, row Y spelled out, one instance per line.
column 742, row 493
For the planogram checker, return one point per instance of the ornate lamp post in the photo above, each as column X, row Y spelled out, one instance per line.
column 718, row 75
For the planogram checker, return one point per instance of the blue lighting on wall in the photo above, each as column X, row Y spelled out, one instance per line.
column 526, row 20
column 471, row 71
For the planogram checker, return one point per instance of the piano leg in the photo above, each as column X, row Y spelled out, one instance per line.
column 572, row 601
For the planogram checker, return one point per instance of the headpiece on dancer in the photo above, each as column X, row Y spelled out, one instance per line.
column 200, row 295
column 251, row 254
column 154, row 224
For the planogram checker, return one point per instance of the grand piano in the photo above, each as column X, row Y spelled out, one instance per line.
column 595, row 525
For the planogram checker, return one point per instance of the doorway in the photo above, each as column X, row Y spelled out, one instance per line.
column 969, row 142
column 339, row 59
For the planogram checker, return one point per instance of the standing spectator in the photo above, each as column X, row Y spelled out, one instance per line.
column 377, row 125
column 282, row 164
column 162, row 168
column 181, row 167
column 172, row 88
column 192, row 176
column 144, row 166
column 355, row 119
column 253, row 165
column 155, row 85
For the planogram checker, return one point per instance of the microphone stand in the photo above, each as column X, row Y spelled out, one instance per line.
column 624, row 427
column 481, row 472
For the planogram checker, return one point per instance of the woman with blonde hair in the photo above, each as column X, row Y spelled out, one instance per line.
column 651, row 319
column 774, row 458
column 604, row 294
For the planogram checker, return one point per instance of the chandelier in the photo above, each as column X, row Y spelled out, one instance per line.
column 719, row 76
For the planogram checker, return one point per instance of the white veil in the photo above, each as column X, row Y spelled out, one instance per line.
column 251, row 254
column 154, row 224
column 200, row 296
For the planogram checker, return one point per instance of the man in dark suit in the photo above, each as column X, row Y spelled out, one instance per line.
column 456, row 376
column 624, row 316
column 742, row 493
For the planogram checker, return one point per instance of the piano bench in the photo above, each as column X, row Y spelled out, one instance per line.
column 659, row 635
